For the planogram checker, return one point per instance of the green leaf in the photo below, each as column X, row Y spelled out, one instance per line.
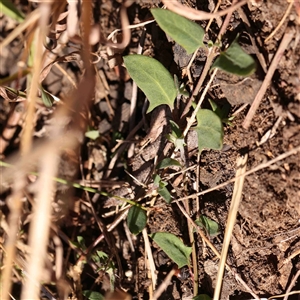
column 186, row 33
column 13, row 94
column 181, row 90
column 136, row 219
column 161, row 188
column 175, row 129
column 234, row 60
column 100, row 257
column 209, row 225
column 209, row 130
column 91, row 295
column 47, row 98
column 202, row 297
column 164, row 192
column 176, row 137
column 173, row 247
column 92, row 134
column 8, row 8
column 168, row 162
column 81, row 242
column 221, row 112
column 214, row 107
column 178, row 142
column 153, row 79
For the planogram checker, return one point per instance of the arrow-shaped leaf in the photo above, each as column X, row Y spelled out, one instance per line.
column 152, row 78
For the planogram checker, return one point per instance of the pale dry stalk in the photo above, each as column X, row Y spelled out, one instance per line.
column 235, row 202
column 40, row 225
column 15, row 205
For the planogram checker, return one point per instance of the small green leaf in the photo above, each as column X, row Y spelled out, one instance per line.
column 209, row 225
column 168, row 162
column 173, row 247
column 47, row 98
column 181, row 90
column 153, row 79
column 92, row 295
column 156, row 180
column 164, row 192
column 92, row 134
column 175, row 129
column 221, row 112
column 8, row 8
column 209, row 130
column 100, row 257
column 214, row 106
column 179, row 143
column 161, row 188
column 176, row 137
column 202, row 297
column 81, row 242
column 186, row 33
column 235, row 61
column 136, row 219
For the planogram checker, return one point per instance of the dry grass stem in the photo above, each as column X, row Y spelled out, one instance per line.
column 12, row 235
column 235, row 202
column 40, row 225
column 164, row 285
column 150, row 261
column 292, row 284
column 281, row 21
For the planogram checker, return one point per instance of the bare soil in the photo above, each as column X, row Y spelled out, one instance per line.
column 265, row 245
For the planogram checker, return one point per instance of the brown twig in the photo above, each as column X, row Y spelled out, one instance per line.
column 287, row 38
column 259, row 55
column 163, row 285
column 292, row 284
column 125, row 27
column 15, row 206
column 195, row 14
